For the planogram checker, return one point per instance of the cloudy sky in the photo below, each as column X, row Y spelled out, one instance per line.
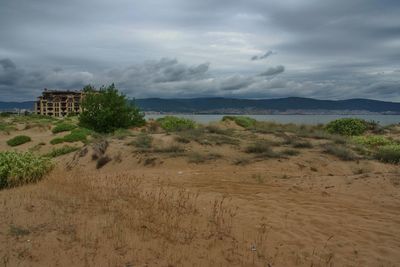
column 330, row 49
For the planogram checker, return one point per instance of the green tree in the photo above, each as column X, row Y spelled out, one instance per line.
column 107, row 110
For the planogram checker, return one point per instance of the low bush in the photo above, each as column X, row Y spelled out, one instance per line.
column 143, row 141
column 290, row 152
column 339, row 151
column 347, row 126
column 245, row 122
column 122, row 133
column 175, row 124
column 195, row 157
column 389, row 153
column 77, row 134
column 203, row 136
column 56, row 152
column 63, row 127
column 21, row 168
column 19, row 140
column 173, row 148
column 57, row 140
column 258, row 147
column 372, row 141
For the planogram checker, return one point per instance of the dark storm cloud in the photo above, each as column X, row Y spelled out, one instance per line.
column 330, row 49
column 273, row 71
column 266, row 55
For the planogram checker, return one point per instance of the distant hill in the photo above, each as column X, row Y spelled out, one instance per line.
column 16, row 105
column 289, row 105
column 280, row 105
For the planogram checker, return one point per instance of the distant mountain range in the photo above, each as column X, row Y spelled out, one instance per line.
column 215, row 105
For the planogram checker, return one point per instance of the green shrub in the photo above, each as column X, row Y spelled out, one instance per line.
column 340, row 151
column 76, row 135
column 389, row 153
column 56, row 152
column 19, row 140
column 20, row 168
column 245, row 122
column 57, row 140
column 347, row 126
column 372, row 141
column 63, row 127
column 175, row 124
column 107, row 110
column 79, row 134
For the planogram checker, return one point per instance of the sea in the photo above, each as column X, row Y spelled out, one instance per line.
column 383, row 120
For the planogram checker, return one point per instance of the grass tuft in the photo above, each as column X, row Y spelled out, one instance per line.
column 56, row 152
column 21, row 168
column 19, row 140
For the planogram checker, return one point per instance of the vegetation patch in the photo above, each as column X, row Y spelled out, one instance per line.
column 372, row 141
column 172, row 148
column 19, row 140
column 175, row 124
column 122, row 133
column 389, row 153
column 78, row 134
column 203, row 136
column 290, row 152
column 258, row 147
column 347, row 126
column 56, row 152
column 63, row 127
column 143, row 142
column 243, row 121
column 195, row 157
column 340, row 151
column 21, row 168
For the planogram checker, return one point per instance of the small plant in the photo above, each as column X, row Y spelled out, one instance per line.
column 389, row 153
column 21, row 168
column 195, row 157
column 143, row 141
column 340, row 151
column 245, row 122
column 347, row 126
column 290, row 152
column 260, row 146
column 63, row 127
column 56, row 152
column 57, row 140
column 172, row 148
column 19, row 140
column 122, row 133
column 175, row 124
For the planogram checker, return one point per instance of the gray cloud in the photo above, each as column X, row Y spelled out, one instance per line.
column 273, row 71
column 266, row 55
column 330, row 49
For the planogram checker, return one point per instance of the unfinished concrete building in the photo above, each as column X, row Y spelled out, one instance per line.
column 58, row 103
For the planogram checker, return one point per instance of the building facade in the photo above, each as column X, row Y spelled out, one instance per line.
column 59, row 103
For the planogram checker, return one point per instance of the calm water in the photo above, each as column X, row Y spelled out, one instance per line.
column 298, row 119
